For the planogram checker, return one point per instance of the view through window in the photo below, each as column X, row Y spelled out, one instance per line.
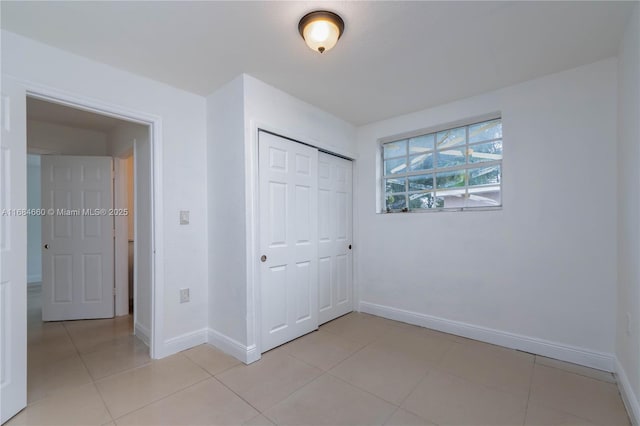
column 455, row 168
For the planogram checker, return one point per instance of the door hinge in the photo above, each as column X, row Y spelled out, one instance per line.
column 114, row 291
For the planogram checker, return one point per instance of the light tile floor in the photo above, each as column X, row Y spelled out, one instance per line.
column 356, row 370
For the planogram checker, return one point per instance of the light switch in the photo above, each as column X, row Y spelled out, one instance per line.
column 184, row 295
column 184, row 217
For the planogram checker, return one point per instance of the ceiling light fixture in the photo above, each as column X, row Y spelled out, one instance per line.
column 321, row 30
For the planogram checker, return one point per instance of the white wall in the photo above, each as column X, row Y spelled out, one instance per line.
column 543, row 267
column 63, row 140
column 628, row 342
column 272, row 109
column 227, row 262
column 183, row 138
column 235, row 113
column 34, row 222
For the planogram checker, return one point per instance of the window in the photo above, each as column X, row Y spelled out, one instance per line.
column 457, row 168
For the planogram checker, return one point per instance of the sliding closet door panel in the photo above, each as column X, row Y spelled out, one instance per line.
column 288, row 239
column 335, row 286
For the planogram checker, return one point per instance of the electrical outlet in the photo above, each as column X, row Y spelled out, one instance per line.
column 184, row 217
column 628, row 324
column 184, row 295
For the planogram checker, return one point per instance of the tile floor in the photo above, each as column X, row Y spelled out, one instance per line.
column 356, row 370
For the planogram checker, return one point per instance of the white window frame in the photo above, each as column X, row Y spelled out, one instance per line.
column 443, row 127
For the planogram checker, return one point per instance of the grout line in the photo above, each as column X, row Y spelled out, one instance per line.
column 364, row 345
column 166, row 396
column 563, row 411
column 290, row 395
column 163, row 397
column 386, row 420
column 228, row 368
column 491, row 387
column 77, row 351
column 205, row 369
column 328, row 371
column 192, row 362
column 111, row 345
column 526, row 409
column 238, row 395
column 93, row 380
column 367, row 345
column 332, row 366
column 438, row 367
column 414, row 387
column 413, row 390
column 286, row 354
column 323, row 372
column 362, row 389
column 99, row 379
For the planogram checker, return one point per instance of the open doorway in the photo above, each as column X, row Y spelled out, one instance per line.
column 74, row 350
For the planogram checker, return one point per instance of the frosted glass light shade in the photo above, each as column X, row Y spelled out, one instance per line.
column 321, row 30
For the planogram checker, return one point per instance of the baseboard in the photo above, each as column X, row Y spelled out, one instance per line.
column 629, row 397
column 576, row 355
column 184, row 341
column 142, row 333
column 34, row 279
column 226, row 344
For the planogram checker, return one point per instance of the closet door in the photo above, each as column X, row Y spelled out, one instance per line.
column 335, row 284
column 288, row 174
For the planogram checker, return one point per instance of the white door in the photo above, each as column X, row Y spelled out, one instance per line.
column 288, row 239
column 77, row 255
column 335, row 195
column 13, row 249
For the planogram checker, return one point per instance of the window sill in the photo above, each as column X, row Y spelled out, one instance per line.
column 452, row 209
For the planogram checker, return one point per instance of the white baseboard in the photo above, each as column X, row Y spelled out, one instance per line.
column 142, row 333
column 576, row 355
column 184, row 341
column 226, row 344
column 34, row 279
column 628, row 395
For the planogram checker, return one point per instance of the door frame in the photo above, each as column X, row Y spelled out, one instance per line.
column 121, row 240
column 154, row 123
column 252, row 226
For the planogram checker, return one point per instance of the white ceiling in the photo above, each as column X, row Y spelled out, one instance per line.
column 49, row 112
column 394, row 57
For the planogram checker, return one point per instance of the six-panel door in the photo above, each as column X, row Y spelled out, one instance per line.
column 77, row 238
column 335, row 236
column 13, row 249
column 288, row 239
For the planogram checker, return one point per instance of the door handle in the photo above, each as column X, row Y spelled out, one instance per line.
column 46, row 246
column 349, row 246
column 263, row 258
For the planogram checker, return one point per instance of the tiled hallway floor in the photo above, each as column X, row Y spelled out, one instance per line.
column 356, row 370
